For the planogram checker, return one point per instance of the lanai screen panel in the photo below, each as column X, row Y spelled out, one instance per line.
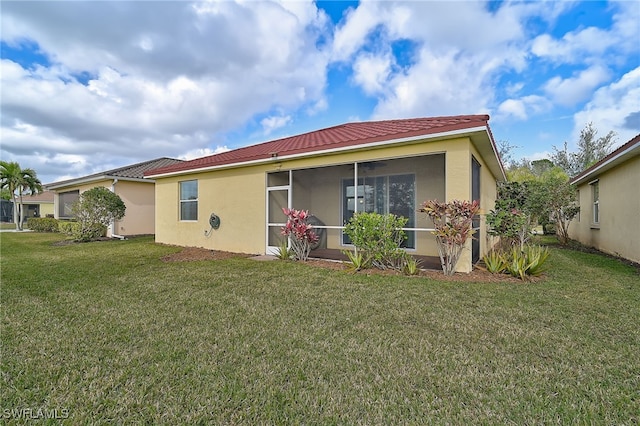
column 397, row 186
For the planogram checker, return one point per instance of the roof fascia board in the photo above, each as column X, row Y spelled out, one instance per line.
column 352, row 148
column 82, row 181
column 604, row 166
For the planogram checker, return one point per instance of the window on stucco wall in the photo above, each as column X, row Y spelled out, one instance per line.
column 595, row 197
column 65, row 203
column 189, row 200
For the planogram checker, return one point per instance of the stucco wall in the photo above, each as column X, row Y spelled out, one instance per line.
column 237, row 196
column 618, row 232
column 138, row 197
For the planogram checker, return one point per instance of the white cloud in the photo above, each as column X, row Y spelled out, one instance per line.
column 522, row 108
column 371, row 72
column 436, row 85
column 352, row 34
column 592, row 44
column 458, row 53
column 574, row 45
column 203, row 152
column 274, row 122
column 611, row 106
column 162, row 82
column 570, row 91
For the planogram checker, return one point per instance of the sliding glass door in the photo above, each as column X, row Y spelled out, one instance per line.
column 393, row 194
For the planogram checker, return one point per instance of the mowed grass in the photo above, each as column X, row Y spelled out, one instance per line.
column 110, row 333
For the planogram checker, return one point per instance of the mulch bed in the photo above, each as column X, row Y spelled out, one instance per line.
column 477, row 275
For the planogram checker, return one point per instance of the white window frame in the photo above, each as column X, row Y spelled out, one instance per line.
column 187, row 200
column 595, row 202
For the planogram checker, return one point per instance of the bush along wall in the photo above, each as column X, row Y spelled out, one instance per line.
column 42, row 224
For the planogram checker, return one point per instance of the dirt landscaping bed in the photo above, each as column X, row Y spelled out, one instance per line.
column 477, row 275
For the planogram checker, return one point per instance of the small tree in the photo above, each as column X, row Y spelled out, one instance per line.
column 96, row 209
column 554, row 198
column 590, row 150
column 511, row 219
column 300, row 234
column 453, row 227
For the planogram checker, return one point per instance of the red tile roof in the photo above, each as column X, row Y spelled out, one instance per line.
column 341, row 136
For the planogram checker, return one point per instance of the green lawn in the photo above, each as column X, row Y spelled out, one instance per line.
column 109, row 332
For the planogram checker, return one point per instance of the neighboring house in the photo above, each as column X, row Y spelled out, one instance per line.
column 127, row 182
column 609, row 197
column 385, row 166
column 38, row 205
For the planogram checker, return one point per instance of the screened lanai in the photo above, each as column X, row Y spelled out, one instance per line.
column 398, row 186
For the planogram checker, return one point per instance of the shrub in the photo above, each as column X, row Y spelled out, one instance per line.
column 378, row 238
column 549, row 229
column 95, row 210
column 453, row 227
column 78, row 233
column 300, row 234
column 42, row 224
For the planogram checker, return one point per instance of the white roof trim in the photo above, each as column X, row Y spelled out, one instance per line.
column 449, row 134
column 81, row 181
column 604, row 166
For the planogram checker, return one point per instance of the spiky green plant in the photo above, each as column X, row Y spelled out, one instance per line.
column 495, row 261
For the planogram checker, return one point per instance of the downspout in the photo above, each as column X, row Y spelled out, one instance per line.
column 113, row 222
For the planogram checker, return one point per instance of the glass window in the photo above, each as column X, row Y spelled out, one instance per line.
column 189, row 200
column 65, row 203
column 595, row 188
column 381, row 194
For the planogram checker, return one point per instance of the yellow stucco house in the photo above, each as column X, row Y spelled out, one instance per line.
column 388, row 166
column 38, row 205
column 608, row 193
column 129, row 183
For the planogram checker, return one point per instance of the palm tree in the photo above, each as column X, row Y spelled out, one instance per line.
column 14, row 178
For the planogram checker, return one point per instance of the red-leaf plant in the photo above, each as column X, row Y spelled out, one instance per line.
column 301, row 234
column 453, row 226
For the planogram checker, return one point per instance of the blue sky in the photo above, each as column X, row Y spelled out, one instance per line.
column 89, row 86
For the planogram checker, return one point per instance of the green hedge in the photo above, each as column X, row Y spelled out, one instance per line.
column 75, row 231
column 42, row 224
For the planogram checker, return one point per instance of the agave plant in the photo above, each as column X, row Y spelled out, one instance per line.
column 357, row 260
column 528, row 262
column 411, row 265
column 495, row 262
